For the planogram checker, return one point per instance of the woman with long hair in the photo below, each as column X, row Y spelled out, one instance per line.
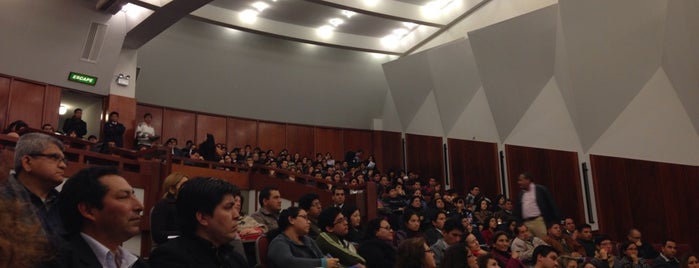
column 163, row 216
column 377, row 248
column 354, row 218
column 411, row 227
column 414, row 253
column 501, row 251
column 292, row 248
column 689, row 260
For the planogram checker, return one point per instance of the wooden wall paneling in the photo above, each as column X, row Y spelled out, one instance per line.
column 180, row 124
column 424, row 155
column 52, row 102
column 692, row 205
column 300, row 139
column 271, row 135
column 328, row 140
column 211, row 124
column 611, row 195
column 4, row 101
column 157, row 113
column 126, row 107
column 241, row 132
column 474, row 163
column 675, row 182
column 564, row 181
column 646, row 199
column 388, row 150
column 26, row 102
column 354, row 139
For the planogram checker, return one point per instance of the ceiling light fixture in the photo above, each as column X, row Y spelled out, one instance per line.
column 325, row 31
column 260, row 6
column 248, row 16
column 400, row 32
column 390, row 41
column 336, row 22
column 348, row 13
column 409, row 25
column 371, row 3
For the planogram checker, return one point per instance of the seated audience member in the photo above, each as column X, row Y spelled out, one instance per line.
column 459, row 256
column 25, row 245
column 311, row 204
column 474, row 246
column 459, row 209
column 48, row 128
column 100, row 212
column 645, row 250
column 331, row 241
column 394, row 202
column 415, row 205
column 338, row 197
column 545, row 257
column 410, row 228
column 563, row 243
column 453, row 231
column 377, row 248
column 163, row 219
column 414, row 253
column 92, row 138
column 690, row 260
column 567, row 262
column 270, row 204
column 15, row 128
column 584, row 238
column 490, row 226
column 248, row 228
column 525, row 243
column 501, row 251
column 435, row 231
column 171, row 143
column 629, row 257
column 472, row 197
column 483, row 212
column 39, row 168
column 488, row 261
column 604, row 257
column 207, row 219
column 75, row 124
column 569, row 227
column 505, row 214
column 354, row 216
column 667, row 257
column 292, row 248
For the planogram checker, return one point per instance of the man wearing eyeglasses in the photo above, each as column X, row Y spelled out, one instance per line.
column 331, row 242
column 39, row 166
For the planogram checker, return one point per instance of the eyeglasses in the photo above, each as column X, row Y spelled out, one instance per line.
column 54, row 157
column 303, row 216
column 340, row 220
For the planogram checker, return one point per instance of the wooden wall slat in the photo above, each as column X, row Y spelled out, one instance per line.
column 4, row 101
column 157, row 113
column 474, row 163
column 211, row 124
column 52, row 102
column 354, row 139
column 180, row 124
column 388, row 150
column 26, row 102
column 425, row 156
column 241, row 132
column 611, row 195
column 300, row 139
column 271, row 136
column 328, row 140
column 557, row 170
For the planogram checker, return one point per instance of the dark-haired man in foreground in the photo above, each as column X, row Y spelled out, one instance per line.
column 100, row 212
column 208, row 222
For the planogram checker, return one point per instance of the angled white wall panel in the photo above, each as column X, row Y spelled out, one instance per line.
column 476, row 121
column 410, row 81
column 426, row 120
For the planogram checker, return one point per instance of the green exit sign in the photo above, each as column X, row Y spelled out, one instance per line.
column 82, row 78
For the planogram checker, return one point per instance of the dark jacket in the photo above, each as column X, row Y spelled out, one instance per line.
column 546, row 204
column 377, row 253
column 114, row 131
column 75, row 124
column 78, row 254
column 189, row 251
column 163, row 220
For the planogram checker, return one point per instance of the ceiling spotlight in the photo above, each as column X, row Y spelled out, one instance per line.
column 260, row 6
column 390, row 41
column 371, row 3
column 348, row 13
column 400, row 32
column 248, row 16
column 432, row 9
column 336, row 22
column 325, row 31
column 62, row 109
column 126, row 8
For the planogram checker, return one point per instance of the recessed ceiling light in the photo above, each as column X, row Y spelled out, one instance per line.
column 409, row 25
column 260, row 6
column 432, row 9
column 336, row 22
column 126, row 8
column 371, row 3
column 390, row 41
column 400, row 31
column 325, row 31
column 248, row 16
column 348, row 13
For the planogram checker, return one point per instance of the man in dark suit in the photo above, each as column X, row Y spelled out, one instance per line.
column 114, row 131
column 100, row 212
column 75, row 124
column 535, row 207
column 666, row 258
